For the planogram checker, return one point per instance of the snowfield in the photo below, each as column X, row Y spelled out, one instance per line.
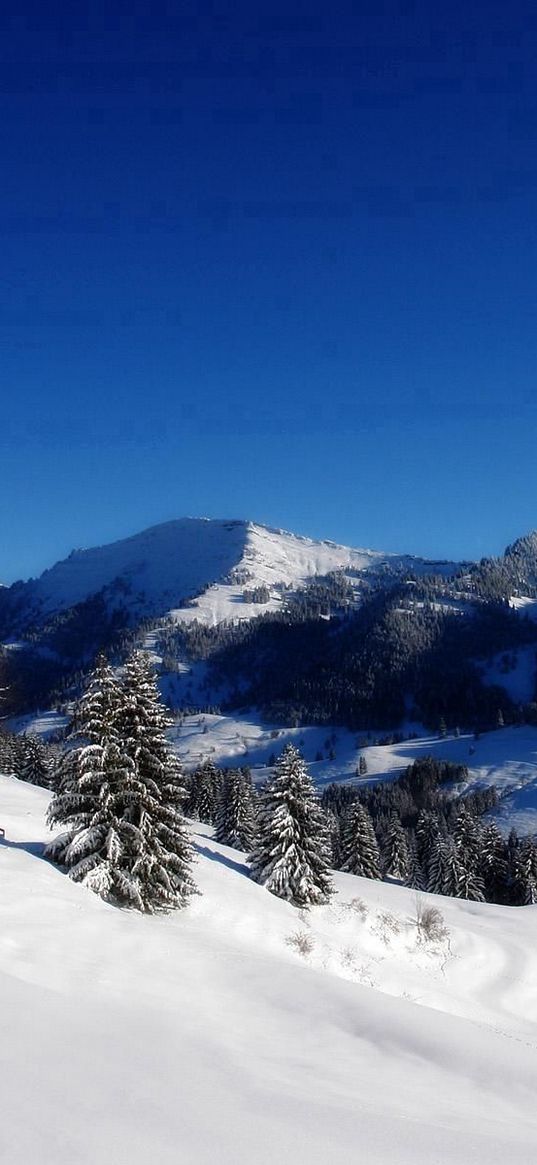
column 241, row 1030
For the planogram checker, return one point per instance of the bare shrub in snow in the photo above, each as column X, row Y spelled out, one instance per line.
column 348, row 958
column 355, row 906
column 388, row 926
column 429, row 922
column 302, row 942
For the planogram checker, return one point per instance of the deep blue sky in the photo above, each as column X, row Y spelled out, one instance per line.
column 269, row 260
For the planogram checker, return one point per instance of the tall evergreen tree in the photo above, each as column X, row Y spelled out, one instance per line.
column 428, row 834
column 359, row 847
column 467, row 839
column 525, row 873
column 452, row 869
column 36, row 762
column 395, row 856
column 494, row 864
column 235, row 816
column 438, row 866
column 159, row 870
column 204, row 793
column 88, row 803
column 119, row 795
column 414, row 878
column 290, row 852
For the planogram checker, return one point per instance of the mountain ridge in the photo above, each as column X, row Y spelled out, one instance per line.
column 161, row 567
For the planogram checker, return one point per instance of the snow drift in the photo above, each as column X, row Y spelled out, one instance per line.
column 240, row 1029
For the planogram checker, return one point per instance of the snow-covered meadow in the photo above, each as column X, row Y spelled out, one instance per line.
column 506, row 758
column 241, row 1029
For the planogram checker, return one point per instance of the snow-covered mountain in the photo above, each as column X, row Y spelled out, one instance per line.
column 162, row 568
column 241, row 1029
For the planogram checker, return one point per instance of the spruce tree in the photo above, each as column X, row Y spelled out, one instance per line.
column 467, row 839
column 494, row 864
column 452, row 869
column 525, row 873
column 290, row 853
column 89, row 802
column 428, row 834
column 414, row 878
column 120, row 793
column 437, row 866
column 235, row 816
column 205, row 787
column 36, row 765
column 359, row 847
column 158, row 874
column 396, row 858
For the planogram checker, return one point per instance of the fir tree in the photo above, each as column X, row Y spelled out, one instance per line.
column 427, row 836
column 334, row 837
column 205, row 789
column 494, row 864
column 119, row 795
column 452, row 871
column 158, row 873
column 467, row 839
column 290, row 855
column 525, row 873
column 414, row 878
column 359, row 847
column 396, row 858
column 88, row 803
column 235, row 816
column 36, row 765
column 437, row 866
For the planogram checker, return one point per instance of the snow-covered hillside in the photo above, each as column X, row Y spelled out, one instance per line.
column 155, row 572
column 506, row 758
column 240, row 1030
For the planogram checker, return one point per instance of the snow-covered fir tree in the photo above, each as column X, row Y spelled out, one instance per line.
column 414, row 878
column 467, row 840
column 204, row 792
column 235, row 815
column 395, row 855
column 11, row 758
column 159, row 867
column 428, row 833
column 120, row 793
column 334, row 837
column 290, row 853
column 359, row 847
column 452, row 871
column 36, row 762
column 524, row 868
column 438, row 866
column 88, row 803
column 494, row 865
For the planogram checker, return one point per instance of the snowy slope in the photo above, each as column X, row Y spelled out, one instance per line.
column 206, row 1036
column 506, row 758
column 154, row 572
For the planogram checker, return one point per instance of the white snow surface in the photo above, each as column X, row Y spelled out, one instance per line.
column 207, row 1036
column 155, row 571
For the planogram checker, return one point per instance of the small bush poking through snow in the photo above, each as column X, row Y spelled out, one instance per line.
column 301, row 942
column 429, row 923
column 388, row 926
column 355, row 906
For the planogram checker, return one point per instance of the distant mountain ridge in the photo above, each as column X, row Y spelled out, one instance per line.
column 308, row 630
column 161, row 568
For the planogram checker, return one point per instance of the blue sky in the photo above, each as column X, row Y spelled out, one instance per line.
column 269, row 260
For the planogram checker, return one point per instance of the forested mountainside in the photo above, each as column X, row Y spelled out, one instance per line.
column 308, row 632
